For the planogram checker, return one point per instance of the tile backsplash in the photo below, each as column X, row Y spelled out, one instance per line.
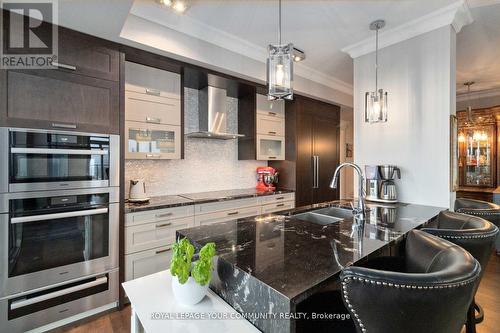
column 208, row 165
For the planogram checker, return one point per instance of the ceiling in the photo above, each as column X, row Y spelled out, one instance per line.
column 478, row 50
column 322, row 28
column 319, row 27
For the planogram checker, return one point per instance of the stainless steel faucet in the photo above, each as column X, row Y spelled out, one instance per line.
column 360, row 210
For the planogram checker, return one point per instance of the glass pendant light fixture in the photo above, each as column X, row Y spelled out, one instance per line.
column 376, row 101
column 280, row 68
column 470, row 119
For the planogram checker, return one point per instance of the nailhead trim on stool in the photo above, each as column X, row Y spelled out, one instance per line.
column 391, row 285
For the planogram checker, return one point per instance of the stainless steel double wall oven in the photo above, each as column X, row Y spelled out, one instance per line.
column 59, row 213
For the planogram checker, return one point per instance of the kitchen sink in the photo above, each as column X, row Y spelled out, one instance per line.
column 317, row 218
column 325, row 216
column 338, row 212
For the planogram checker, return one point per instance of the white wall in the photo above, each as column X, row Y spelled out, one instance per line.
column 346, row 137
column 208, row 165
column 419, row 75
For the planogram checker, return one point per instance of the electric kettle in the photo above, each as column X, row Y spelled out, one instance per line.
column 137, row 190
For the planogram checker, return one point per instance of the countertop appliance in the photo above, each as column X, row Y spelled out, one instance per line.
column 380, row 183
column 137, row 192
column 212, row 108
column 267, row 177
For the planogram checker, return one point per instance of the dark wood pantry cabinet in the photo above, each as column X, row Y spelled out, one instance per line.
column 312, row 150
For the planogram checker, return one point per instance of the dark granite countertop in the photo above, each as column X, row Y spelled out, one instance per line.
column 204, row 197
column 293, row 256
column 169, row 201
column 164, row 201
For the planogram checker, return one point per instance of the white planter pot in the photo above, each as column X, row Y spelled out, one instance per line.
column 189, row 293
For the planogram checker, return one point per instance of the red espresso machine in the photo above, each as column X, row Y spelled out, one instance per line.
column 267, row 177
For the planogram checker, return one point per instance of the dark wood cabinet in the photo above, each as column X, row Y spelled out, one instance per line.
column 81, row 93
column 87, row 55
column 51, row 99
column 312, row 150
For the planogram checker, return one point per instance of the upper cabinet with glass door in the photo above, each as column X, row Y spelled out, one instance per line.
column 477, row 156
column 270, row 129
column 152, row 113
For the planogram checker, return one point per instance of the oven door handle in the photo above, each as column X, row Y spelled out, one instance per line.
column 49, row 151
column 29, row 301
column 44, row 217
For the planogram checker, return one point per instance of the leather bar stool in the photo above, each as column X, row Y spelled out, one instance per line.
column 487, row 210
column 475, row 235
column 429, row 290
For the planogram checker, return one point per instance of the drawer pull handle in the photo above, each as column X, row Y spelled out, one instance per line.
column 163, row 225
column 63, row 125
column 232, row 213
column 64, row 66
column 272, row 132
column 164, row 215
column 153, row 155
column 162, row 251
column 272, row 157
column 153, row 120
column 280, row 198
column 272, row 113
column 280, row 205
column 154, row 92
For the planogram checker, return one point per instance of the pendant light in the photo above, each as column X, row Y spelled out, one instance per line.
column 376, row 101
column 470, row 119
column 280, row 68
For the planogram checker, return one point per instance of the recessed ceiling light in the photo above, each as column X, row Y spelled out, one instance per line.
column 167, row 3
column 298, row 55
column 179, row 6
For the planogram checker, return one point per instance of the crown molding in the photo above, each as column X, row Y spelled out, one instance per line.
column 457, row 15
column 478, row 94
column 194, row 28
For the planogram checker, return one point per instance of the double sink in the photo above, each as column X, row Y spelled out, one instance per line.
column 325, row 216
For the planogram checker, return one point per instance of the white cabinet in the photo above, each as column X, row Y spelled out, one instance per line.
column 152, row 141
column 270, row 148
column 270, row 129
column 229, row 215
column 139, row 77
column 146, row 236
column 225, row 205
column 147, row 262
column 150, row 234
column 151, row 108
column 270, row 126
column 158, row 215
column 275, row 108
column 267, row 199
column 276, row 207
column 152, row 113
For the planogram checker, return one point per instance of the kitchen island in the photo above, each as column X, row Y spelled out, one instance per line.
column 271, row 263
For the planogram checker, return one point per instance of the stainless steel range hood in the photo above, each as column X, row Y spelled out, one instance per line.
column 212, row 112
